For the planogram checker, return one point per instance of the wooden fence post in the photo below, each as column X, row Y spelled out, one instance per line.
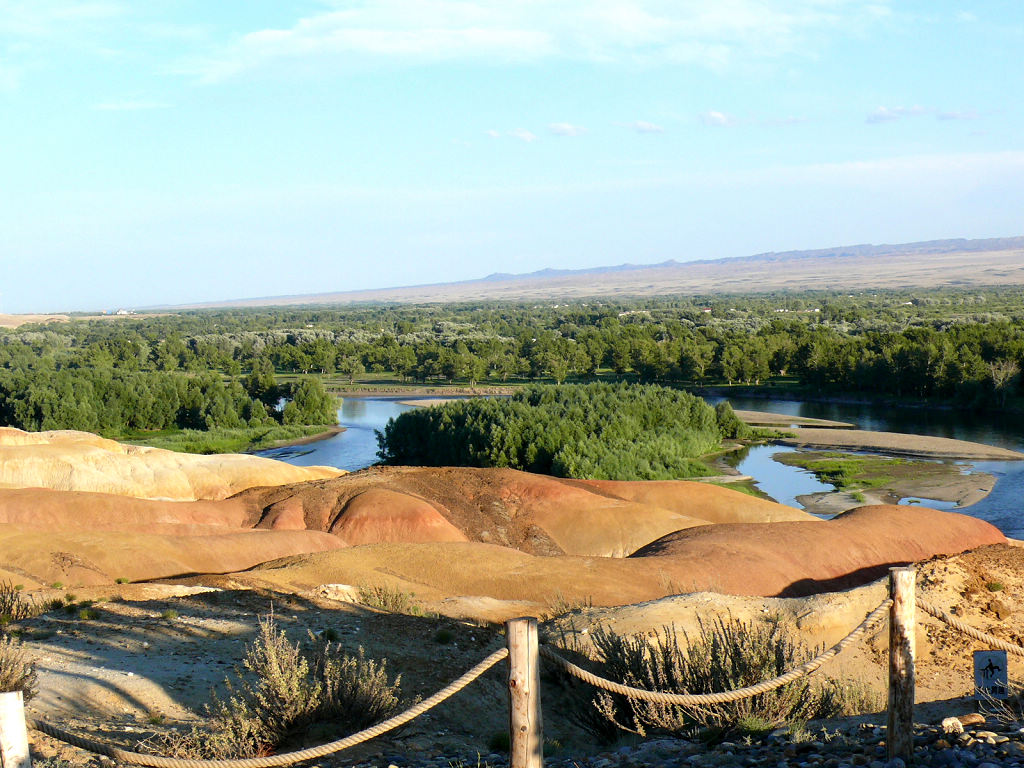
column 526, row 733
column 899, row 739
column 13, row 732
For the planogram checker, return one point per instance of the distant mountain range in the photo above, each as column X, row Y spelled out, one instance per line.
column 955, row 262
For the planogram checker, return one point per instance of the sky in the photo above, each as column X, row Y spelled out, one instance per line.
column 160, row 152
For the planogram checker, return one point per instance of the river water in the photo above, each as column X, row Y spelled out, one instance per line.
column 356, row 448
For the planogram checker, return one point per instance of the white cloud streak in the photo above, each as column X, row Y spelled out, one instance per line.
column 566, row 129
column 889, row 114
column 642, row 126
column 523, row 135
column 715, row 118
column 713, row 35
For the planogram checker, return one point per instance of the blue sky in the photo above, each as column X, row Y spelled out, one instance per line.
column 172, row 151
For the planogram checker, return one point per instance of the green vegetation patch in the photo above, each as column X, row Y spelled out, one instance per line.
column 225, row 440
column 604, row 431
column 851, row 471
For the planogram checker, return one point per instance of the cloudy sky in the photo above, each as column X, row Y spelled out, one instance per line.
column 171, row 151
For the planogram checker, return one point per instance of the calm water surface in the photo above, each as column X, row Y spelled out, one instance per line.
column 356, row 448
column 1003, row 507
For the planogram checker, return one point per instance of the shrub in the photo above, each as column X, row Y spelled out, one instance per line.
column 729, row 424
column 391, row 600
column 15, row 606
column 285, row 692
column 724, row 655
column 169, row 614
column 17, row 673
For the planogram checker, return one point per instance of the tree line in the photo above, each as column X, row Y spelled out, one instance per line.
column 963, row 346
column 115, row 402
column 597, row 430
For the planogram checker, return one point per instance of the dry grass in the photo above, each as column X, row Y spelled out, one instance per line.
column 284, row 693
column 15, row 606
column 17, row 673
column 725, row 654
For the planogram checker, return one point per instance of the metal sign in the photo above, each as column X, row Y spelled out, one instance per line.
column 990, row 676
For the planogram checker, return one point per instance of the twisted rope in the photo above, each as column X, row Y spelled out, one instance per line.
column 288, row 758
column 967, row 629
column 705, row 699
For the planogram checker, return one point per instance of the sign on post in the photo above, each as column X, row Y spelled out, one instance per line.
column 990, row 677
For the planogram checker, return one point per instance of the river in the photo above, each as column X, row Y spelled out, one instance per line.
column 356, row 447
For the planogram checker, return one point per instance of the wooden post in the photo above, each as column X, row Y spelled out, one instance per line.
column 13, row 732
column 899, row 740
column 526, row 733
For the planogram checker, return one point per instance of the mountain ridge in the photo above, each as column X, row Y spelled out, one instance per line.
column 922, row 264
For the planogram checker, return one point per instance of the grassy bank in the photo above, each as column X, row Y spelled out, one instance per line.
column 853, row 472
column 224, row 440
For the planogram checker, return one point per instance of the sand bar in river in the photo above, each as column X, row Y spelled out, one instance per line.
column 898, row 444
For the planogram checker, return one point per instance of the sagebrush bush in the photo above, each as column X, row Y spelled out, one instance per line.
column 17, row 673
column 391, row 600
column 14, row 605
column 284, row 693
column 724, row 655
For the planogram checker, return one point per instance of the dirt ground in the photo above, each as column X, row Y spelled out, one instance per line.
column 149, row 659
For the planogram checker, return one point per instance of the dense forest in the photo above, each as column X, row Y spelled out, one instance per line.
column 605, row 431
column 209, row 369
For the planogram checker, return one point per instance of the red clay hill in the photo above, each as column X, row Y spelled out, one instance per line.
column 489, row 532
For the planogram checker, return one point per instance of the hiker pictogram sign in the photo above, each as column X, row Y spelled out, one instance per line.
column 990, row 677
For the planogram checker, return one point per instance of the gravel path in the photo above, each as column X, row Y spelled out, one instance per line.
column 990, row 745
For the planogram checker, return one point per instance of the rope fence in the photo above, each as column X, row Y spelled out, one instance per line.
column 968, row 630
column 289, row 758
column 524, row 651
column 723, row 697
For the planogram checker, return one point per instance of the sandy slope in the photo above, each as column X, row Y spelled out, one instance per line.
column 787, row 558
column 532, row 513
column 80, row 461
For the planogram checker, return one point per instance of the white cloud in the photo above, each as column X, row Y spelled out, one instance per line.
column 493, row 133
column 713, row 35
column 129, row 106
column 566, row 129
column 523, row 135
column 966, row 17
column 642, row 126
column 888, row 114
column 713, row 117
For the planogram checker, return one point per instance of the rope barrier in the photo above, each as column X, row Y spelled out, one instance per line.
column 705, row 699
column 967, row 629
column 156, row 761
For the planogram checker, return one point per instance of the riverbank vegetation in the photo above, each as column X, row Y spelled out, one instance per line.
column 231, row 368
column 860, row 472
column 603, row 431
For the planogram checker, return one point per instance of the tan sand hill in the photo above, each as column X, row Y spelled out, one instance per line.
column 79, row 461
column 31, row 555
column 766, row 559
column 795, row 558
